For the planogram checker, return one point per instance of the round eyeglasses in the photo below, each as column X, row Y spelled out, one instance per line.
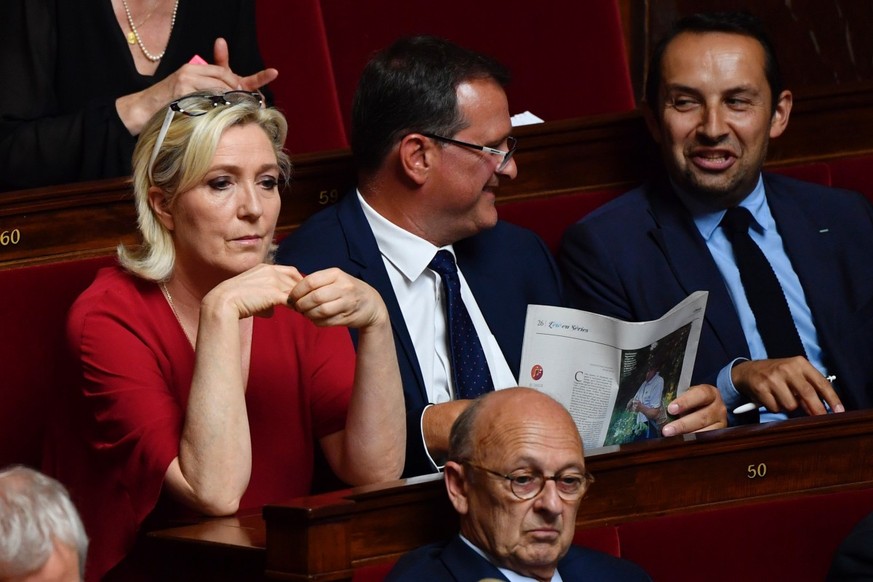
column 199, row 104
column 511, row 143
column 527, row 484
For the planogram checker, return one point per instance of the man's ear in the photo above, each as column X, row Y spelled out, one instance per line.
column 416, row 157
column 456, row 486
column 779, row 120
column 158, row 203
column 652, row 121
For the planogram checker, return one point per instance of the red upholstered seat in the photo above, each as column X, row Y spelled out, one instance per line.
column 550, row 217
column 778, row 540
column 292, row 39
column 563, row 65
column 604, row 539
column 34, row 313
column 818, row 172
column 853, row 174
column 373, row 573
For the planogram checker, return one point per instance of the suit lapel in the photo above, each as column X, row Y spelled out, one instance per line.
column 465, row 564
column 364, row 252
column 692, row 265
column 810, row 248
column 483, row 277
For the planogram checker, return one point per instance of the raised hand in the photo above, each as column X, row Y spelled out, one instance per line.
column 332, row 297
column 254, row 292
column 137, row 108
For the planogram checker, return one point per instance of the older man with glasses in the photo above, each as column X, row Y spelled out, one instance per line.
column 431, row 140
column 516, row 476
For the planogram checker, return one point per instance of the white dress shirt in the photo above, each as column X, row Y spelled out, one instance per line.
column 650, row 394
column 420, row 296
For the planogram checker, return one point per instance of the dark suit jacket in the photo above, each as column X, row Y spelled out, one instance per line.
column 639, row 255
column 853, row 560
column 507, row 268
column 455, row 561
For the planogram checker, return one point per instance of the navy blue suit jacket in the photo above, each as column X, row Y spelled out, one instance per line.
column 853, row 560
column 507, row 268
column 639, row 255
column 455, row 561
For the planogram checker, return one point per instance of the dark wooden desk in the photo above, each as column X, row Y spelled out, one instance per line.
column 325, row 537
column 227, row 549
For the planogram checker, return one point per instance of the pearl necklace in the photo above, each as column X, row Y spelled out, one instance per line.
column 135, row 32
column 131, row 38
column 169, row 298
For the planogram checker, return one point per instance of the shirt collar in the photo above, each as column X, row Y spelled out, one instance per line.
column 707, row 220
column 510, row 575
column 410, row 254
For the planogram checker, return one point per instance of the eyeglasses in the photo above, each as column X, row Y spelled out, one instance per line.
column 527, row 484
column 507, row 155
column 194, row 105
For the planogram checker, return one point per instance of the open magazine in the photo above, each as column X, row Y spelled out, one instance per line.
column 615, row 377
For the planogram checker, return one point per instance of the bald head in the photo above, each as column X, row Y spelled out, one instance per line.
column 508, row 435
column 503, row 410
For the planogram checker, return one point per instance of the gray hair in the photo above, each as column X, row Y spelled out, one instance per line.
column 35, row 514
column 461, row 441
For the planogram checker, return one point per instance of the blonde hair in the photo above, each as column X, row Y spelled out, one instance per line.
column 183, row 160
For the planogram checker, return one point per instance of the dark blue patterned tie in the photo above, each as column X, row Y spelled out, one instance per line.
column 469, row 366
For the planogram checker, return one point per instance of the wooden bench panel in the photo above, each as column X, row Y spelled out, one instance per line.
column 609, row 152
column 697, row 482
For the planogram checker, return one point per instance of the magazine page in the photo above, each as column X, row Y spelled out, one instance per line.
column 615, row 377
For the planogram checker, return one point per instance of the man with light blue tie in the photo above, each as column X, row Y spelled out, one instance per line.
column 788, row 264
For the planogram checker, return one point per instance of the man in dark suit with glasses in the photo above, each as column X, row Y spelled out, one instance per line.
column 430, row 137
column 516, row 475
column 431, row 140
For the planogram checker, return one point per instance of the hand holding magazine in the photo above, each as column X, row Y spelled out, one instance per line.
column 615, row 377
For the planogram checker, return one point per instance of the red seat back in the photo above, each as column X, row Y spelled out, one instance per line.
column 817, row 172
column 563, row 66
column 34, row 313
column 550, row 217
column 292, row 39
column 780, row 540
column 853, row 174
